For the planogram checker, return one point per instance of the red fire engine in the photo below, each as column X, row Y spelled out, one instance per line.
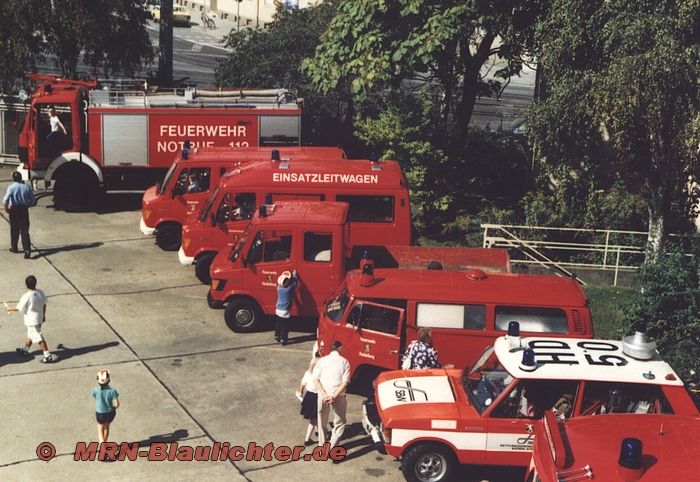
column 195, row 174
column 125, row 137
column 616, row 448
column 486, row 414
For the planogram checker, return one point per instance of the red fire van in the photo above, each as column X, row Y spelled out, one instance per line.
column 379, row 211
column 193, row 176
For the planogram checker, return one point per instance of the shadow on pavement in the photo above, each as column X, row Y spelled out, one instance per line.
column 62, row 353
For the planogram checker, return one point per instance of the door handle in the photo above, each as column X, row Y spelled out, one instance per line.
column 394, row 352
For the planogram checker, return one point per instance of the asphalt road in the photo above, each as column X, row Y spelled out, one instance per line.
column 117, row 301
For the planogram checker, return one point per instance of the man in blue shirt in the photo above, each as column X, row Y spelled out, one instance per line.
column 18, row 198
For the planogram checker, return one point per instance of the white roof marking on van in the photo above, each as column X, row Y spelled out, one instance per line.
column 582, row 359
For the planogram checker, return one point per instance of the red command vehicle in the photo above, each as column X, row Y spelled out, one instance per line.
column 466, row 311
column 616, row 448
column 122, row 136
column 486, row 413
column 379, row 211
column 193, row 176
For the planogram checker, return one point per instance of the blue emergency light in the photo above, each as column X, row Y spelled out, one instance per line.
column 631, row 454
column 528, row 363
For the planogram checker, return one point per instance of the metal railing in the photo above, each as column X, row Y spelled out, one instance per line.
column 560, row 249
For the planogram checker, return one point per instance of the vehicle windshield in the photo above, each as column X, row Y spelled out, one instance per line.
column 485, row 381
column 206, row 208
column 236, row 249
column 335, row 309
column 166, row 180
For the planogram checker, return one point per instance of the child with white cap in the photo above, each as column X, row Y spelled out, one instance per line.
column 285, row 290
column 107, row 404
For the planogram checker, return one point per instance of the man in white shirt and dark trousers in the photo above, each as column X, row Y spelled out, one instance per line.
column 331, row 377
column 33, row 305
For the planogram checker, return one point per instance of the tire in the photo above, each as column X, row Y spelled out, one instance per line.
column 428, row 462
column 169, row 237
column 77, row 189
column 201, row 267
column 243, row 316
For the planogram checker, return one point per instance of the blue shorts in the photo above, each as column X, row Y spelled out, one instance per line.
column 103, row 418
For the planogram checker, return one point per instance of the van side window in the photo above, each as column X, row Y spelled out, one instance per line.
column 532, row 398
column 442, row 315
column 537, row 320
column 245, row 206
column 278, row 246
column 373, row 209
column 317, row 246
column 373, row 317
column 199, row 180
column 296, row 197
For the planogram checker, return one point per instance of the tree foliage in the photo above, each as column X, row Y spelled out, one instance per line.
column 107, row 35
column 622, row 104
column 373, row 45
column 668, row 301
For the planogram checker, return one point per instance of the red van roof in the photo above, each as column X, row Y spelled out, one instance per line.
column 287, row 154
column 451, row 285
column 301, row 212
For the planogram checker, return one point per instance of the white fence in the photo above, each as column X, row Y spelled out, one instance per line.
column 561, row 249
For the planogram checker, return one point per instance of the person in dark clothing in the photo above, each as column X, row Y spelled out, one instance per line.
column 18, row 198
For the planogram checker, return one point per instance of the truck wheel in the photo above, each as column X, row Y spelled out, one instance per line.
column 243, row 316
column 169, row 236
column 428, row 462
column 201, row 267
column 76, row 190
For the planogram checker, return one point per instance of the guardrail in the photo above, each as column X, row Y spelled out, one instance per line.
column 560, row 249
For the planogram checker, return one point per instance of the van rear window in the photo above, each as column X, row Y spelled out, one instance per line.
column 459, row 317
column 536, row 320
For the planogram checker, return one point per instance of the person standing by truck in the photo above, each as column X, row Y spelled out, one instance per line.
column 285, row 290
column 421, row 353
column 332, row 376
column 18, row 198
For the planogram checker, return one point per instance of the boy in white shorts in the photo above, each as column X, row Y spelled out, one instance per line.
column 33, row 305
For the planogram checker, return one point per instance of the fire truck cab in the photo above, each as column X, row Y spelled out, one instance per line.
column 486, row 413
column 379, row 211
column 120, row 135
column 465, row 310
column 616, row 448
column 195, row 174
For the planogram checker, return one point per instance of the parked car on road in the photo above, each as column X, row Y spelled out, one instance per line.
column 180, row 15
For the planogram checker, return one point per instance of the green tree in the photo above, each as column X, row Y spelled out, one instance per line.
column 373, row 45
column 111, row 33
column 668, row 301
column 20, row 42
column 622, row 101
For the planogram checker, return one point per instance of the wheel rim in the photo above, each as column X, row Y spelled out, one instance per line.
column 431, row 467
column 244, row 317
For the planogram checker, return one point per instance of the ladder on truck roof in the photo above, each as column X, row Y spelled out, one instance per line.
column 195, row 98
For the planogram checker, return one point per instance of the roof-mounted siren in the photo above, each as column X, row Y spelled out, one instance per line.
column 629, row 465
column 528, row 363
column 275, row 156
column 366, row 259
column 262, row 211
column 367, row 276
column 186, row 149
column 374, row 161
column 268, row 198
column 476, row 274
column 513, row 336
column 639, row 345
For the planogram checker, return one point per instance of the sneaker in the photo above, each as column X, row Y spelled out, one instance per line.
column 308, row 442
column 27, row 255
column 22, row 351
column 47, row 359
column 14, row 250
column 277, row 339
column 283, row 342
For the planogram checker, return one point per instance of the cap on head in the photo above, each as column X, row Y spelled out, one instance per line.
column 103, row 377
column 284, row 278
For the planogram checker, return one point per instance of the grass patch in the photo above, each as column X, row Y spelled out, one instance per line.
column 606, row 302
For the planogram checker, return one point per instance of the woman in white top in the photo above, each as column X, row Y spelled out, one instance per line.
column 308, row 393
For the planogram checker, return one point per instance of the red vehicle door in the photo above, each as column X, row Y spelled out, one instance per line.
column 269, row 255
column 371, row 334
